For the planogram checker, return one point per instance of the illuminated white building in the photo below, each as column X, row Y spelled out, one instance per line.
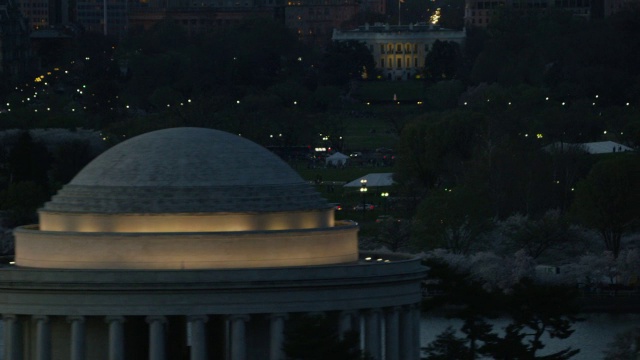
column 399, row 51
column 196, row 244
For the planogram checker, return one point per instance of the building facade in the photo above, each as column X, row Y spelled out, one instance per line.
column 313, row 21
column 479, row 12
column 109, row 17
column 14, row 41
column 399, row 51
column 36, row 11
column 193, row 243
column 196, row 21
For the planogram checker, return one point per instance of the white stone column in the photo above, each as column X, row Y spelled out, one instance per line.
column 276, row 333
column 372, row 334
column 198, row 339
column 116, row 337
column 392, row 333
column 347, row 323
column 77, row 350
column 406, row 334
column 43, row 337
column 415, row 314
column 157, row 350
column 12, row 337
column 238, row 336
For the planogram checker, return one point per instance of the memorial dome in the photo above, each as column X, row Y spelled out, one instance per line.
column 186, row 170
column 186, row 198
column 110, row 271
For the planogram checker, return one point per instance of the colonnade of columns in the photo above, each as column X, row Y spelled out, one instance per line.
column 387, row 334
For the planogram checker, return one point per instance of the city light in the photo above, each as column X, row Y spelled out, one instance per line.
column 433, row 19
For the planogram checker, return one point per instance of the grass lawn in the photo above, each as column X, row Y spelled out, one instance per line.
column 375, row 125
column 369, row 133
column 375, row 91
column 334, row 174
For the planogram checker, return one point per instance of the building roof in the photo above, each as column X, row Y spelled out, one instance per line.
column 373, row 180
column 391, row 32
column 418, row 27
column 186, row 170
column 598, row 147
column 605, row 147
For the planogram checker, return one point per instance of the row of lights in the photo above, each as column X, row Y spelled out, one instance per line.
column 563, row 103
column 466, row 103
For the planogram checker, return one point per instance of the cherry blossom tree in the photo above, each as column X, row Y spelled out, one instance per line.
column 483, row 286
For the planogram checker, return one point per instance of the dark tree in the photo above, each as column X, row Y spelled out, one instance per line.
column 608, row 200
column 535, row 310
column 21, row 200
column 394, row 234
column 452, row 219
column 442, row 61
column 344, row 61
column 432, row 150
column 28, row 160
column 624, row 346
column 447, row 346
column 69, row 158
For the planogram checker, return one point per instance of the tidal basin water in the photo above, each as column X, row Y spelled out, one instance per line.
column 591, row 336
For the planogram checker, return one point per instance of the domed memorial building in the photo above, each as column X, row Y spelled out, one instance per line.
column 191, row 243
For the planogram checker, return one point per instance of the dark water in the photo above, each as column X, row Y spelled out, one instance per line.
column 591, row 336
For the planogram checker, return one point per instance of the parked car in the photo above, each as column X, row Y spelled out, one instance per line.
column 367, row 207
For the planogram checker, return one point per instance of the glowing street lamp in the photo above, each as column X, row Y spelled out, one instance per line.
column 384, row 196
column 363, row 191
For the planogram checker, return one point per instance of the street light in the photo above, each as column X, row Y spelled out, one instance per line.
column 384, row 196
column 363, row 191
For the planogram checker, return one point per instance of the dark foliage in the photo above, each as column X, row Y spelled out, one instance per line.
column 443, row 60
column 344, row 61
column 608, row 200
column 534, row 310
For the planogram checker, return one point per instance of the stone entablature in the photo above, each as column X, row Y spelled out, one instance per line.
column 188, row 250
column 186, row 292
column 185, row 222
column 399, row 51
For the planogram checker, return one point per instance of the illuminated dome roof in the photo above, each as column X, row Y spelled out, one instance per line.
column 186, row 170
column 186, row 198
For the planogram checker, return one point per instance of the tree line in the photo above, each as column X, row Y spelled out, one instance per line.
column 479, row 145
